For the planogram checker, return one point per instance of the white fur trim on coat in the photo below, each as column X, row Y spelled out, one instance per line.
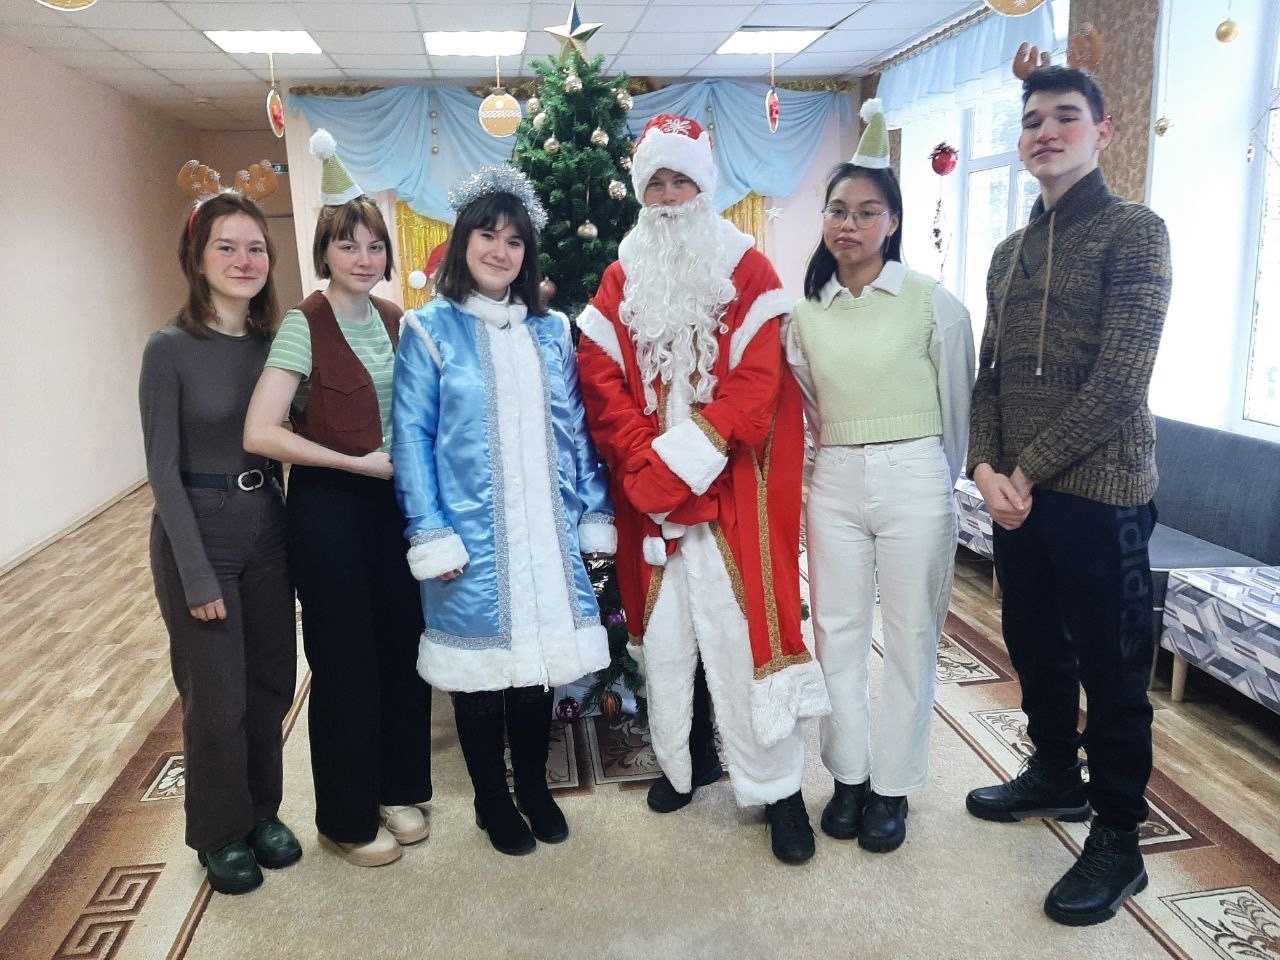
column 690, row 455
column 773, row 303
column 655, row 551
column 598, row 537
column 782, row 698
column 595, row 326
column 434, row 557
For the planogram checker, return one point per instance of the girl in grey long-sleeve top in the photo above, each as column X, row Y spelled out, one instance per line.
column 217, row 544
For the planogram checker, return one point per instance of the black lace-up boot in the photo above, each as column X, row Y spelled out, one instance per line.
column 1038, row 791
column 1108, row 872
column 791, row 836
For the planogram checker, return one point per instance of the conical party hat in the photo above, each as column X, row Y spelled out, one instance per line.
column 873, row 148
column 336, row 184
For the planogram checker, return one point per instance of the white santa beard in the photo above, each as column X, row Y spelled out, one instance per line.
column 675, row 294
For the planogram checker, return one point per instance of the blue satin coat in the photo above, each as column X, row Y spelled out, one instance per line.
column 448, row 468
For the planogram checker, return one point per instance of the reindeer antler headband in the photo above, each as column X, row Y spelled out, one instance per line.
column 1084, row 53
column 203, row 182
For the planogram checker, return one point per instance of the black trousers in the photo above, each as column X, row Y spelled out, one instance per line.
column 1076, row 578
column 236, row 676
column 369, row 710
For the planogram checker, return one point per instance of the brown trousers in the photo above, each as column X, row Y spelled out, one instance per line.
column 235, row 676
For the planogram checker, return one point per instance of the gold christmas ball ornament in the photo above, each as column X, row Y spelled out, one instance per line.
column 599, row 137
column 624, row 100
column 588, row 231
column 1227, row 31
column 1163, row 126
column 539, row 121
column 573, row 83
column 552, row 145
column 533, row 105
column 617, row 189
column 500, row 114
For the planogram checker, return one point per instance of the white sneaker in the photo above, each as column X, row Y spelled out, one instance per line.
column 407, row 824
column 379, row 851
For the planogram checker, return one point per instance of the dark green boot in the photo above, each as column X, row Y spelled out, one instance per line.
column 273, row 844
column 231, row 869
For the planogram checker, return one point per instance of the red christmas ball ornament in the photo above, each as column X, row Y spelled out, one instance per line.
column 943, row 159
column 610, row 705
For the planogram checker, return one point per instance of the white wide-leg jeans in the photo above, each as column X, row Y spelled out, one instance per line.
column 881, row 512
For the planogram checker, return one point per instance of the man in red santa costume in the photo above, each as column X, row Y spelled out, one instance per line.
column 690, row 403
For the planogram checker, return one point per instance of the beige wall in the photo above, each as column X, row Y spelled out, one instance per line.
column 87, row 271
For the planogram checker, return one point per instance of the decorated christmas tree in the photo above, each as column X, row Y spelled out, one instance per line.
column 574, row 146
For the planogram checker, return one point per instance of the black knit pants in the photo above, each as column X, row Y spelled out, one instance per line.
column 369, row 711
column 1077, row 611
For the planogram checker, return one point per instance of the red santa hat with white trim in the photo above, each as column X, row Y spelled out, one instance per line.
column 676, row 143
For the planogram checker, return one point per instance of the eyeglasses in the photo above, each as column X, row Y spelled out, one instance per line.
column 837, row 216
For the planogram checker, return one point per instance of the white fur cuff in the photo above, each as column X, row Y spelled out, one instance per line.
column 430, row 559
column 690, row 455
column 782, row 698
column 672, row 531
column 655, row 551
column 597, row 537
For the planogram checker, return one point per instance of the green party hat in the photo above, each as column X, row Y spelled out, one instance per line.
column 873, row 148
column 336, row 185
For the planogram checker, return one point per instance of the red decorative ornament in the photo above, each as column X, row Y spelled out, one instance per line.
column 568, row 709
column 943, row 159
column 610, row 705
column 772, row 109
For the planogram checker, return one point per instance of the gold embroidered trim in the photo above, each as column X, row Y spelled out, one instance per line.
column 651, row 601
column 778, row 664
column 766, row 557
column 710, row 432
column 730, row 566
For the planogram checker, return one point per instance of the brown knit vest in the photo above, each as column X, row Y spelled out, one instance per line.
column 342, row 408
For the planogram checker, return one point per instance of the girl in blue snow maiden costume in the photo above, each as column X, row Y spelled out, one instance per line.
column 503, row 493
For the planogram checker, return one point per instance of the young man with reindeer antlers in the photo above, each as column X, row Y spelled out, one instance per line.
column 1062, row 447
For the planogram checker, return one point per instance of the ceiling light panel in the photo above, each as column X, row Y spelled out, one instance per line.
column 474, row 43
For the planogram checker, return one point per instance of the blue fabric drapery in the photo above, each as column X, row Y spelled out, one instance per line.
column 385, row 137
column 956, row 72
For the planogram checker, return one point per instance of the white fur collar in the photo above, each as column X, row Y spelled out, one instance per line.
column 733, row 247
column 496, row 313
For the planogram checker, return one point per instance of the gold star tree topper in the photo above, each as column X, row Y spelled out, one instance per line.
column 573, row 31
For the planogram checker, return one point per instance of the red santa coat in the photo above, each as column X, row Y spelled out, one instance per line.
column 735, row 464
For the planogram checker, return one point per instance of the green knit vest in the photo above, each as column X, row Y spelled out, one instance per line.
column 869, row 357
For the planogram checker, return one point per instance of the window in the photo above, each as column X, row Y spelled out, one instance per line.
column 1262, row 384
column 998, row 193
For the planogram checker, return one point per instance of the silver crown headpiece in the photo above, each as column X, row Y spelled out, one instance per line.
column 499, row 178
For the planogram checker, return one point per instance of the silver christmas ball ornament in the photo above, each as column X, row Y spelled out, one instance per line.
column 573, row 83
column 533, row 105
column 552, row 145
column 599, row 137
column 539, row 121
column 617, row 189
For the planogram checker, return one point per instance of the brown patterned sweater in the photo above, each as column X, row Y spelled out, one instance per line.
column 1081, row 424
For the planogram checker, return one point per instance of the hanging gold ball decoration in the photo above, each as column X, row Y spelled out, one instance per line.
column 573, row 83
column 617, row 189
column 500, row 114
column 552, row 145
column 1163, row 126
column 539, row 121
column 533, row 105
column 599, row 137
column 1227, row 31
column 624, row 100
column 588, row 231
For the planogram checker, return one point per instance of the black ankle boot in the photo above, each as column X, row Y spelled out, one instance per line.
column 1108, row 871
column 884, row 823
column 842, row 817
column 1038, row 791
column 529, row 733
column 480, row 721
column 791, row 836
column 273, row 844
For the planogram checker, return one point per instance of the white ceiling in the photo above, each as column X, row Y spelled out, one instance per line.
column 154, row 50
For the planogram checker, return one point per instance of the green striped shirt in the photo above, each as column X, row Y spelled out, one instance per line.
column 291, row 350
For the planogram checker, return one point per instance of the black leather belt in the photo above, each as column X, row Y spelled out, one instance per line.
column 247, row 481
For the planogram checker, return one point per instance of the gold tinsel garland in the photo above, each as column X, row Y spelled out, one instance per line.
column 748, row 216
column 417, row 236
